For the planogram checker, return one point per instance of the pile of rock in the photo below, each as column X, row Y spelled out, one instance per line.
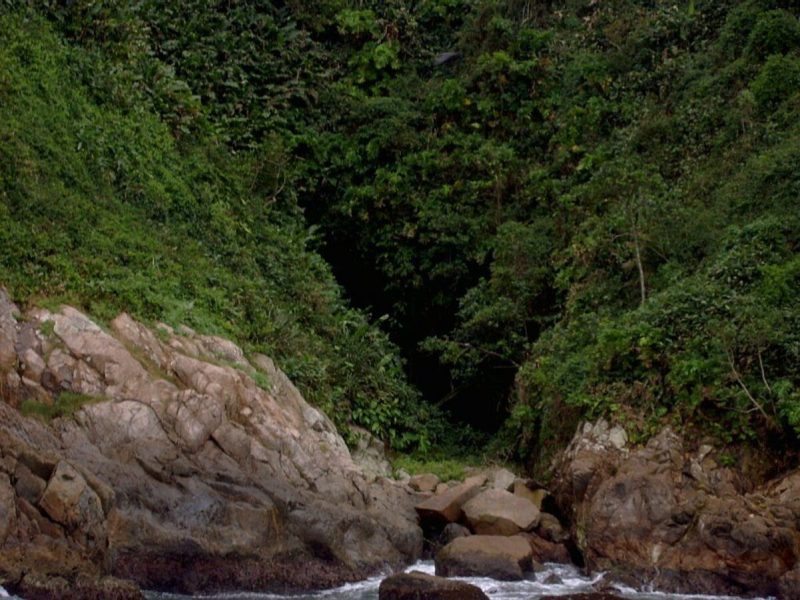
column 669, row 515
column 490, row 525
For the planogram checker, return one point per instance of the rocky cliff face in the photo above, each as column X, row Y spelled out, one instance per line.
column 663, row 516
column 181, row 473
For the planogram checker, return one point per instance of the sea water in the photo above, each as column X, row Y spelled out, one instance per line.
column 565, row 580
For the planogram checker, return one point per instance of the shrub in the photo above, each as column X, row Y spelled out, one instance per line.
column 778, row 80
column 775, row 32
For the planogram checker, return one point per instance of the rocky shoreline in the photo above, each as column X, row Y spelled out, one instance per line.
column 190, row 466
column 179, row 472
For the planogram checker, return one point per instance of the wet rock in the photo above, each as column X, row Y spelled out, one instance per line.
column 665, row 517
column 36, row 587
column 552, row 579
column 446, row 507
column 789, row 585
column 498, row 557
column 584, row 596
column 420, row 586
column 545, row 551
column 498, row 512
column 550, row 528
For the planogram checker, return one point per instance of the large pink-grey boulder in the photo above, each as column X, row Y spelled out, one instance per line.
column 498, row 512
column 189, row 466
column 420, row 586
column 446, row 507
column 497, row 557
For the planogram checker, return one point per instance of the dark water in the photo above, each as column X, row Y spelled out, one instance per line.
column 564, row 580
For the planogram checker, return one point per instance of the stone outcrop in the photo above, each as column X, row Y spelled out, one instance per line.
column 420, row 586
column 189, row 466
column 446, row 507
column 498, row 512
column 545, row 551
column 499, row 557
column 677, row 520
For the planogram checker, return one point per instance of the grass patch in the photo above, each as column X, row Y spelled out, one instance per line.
column 48, row 328
column 445, row 469
column 261, row 380
column 65, row 405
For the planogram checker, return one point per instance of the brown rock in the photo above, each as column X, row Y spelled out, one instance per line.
column 441, row 488
column 28, row 485
column 32, row 365
column 420, row 586
column 662, row 516
column 535, row 496
column 789, row 585
column 446, row 507
column 550, row 529
column 545, row 551
column 584, row 596
column 70, row 501
column 453, row 531
column 7, row 507
column 498, row 512
column 498, row 557
column 426, row 482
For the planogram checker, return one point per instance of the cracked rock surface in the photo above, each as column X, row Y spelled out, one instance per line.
column 179, row 472
column 675, row 519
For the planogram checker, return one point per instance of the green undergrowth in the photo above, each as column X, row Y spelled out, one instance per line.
column 65, row 405
column 591, row 210
column 446, row 469
column 105, row 205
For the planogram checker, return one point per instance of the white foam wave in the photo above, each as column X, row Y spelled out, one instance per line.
column 554, row 580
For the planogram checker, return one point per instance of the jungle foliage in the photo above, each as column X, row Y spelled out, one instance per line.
column 557, row 209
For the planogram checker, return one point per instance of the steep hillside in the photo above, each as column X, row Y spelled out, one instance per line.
column 556, row 210
column 108, row 203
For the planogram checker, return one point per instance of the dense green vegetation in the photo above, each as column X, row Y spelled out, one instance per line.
column 587, row 208
column 108, row 203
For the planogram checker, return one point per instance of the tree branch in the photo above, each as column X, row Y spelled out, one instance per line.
column 741, row 383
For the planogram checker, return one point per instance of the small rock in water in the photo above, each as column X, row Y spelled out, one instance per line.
column 552, row 579
column 420, row 586
column 584, row 596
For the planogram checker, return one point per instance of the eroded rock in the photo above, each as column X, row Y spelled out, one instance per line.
column 497, row 557
column 420, row 586
column 673, row 519
column 445, row 507
column 498, row 512
column 183, row 472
